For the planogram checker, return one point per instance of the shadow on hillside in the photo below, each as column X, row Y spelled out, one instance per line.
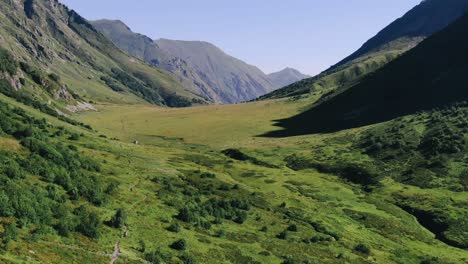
column 313, row 121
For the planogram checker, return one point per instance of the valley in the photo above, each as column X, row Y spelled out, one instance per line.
column 109, row 156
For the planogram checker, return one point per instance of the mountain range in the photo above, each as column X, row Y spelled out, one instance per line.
column 201, row 67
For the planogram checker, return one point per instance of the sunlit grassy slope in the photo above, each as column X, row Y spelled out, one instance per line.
column 215, row 125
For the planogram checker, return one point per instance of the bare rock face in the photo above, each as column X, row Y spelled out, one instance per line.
column 81, row 107
column 63, row 94
column 15, row 81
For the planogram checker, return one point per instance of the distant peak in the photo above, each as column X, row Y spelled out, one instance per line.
column 113, row 22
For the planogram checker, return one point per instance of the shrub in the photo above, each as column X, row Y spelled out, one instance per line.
column 188, row 259
column 142, row 246
column 74, row 137
column 119, row 219
column 158, row 256
column 174, row 227
column 88, row 222
column 7, row 62
column 180, row 244
column 292, row 228
column 282, row 235
column 362, row 249
column 207, row 175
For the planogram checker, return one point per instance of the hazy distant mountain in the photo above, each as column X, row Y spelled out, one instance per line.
column 201, row 67
column 146, row 49
column 400, row 36
column 286, row 77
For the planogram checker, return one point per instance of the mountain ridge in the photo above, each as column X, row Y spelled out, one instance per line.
column 394, row 40
column 286, row 77
column 411, row 83
column 201, row 66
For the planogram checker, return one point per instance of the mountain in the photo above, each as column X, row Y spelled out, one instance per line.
column 146, row 49
column 429, row 76
column 62, row 61
column 420, row 22
column 286, row 77
column 400, row 36
column 202, row 67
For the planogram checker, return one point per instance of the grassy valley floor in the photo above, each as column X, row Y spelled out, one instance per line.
column 295, row 214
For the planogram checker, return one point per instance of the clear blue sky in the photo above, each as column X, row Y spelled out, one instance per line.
column 309, row 35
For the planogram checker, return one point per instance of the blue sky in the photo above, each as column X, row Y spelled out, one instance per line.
column 309, row 35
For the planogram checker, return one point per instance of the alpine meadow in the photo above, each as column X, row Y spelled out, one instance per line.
column 119, row 148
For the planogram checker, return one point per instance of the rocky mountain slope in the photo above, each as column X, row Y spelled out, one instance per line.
column 201, row 67
column 62, row 60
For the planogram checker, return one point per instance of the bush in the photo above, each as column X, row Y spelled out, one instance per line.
column 74, row 137
column 158, row 256
column 292, row 228
column 174, row 227
column 188, row 259
column 282, row 235
column 180, row 244
column 119, row 219
column 88, row 222
column 362, row 249
column 7, row 62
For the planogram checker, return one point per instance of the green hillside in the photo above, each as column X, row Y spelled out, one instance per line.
column 413, row 82
column 400, row 36
column 48, row 38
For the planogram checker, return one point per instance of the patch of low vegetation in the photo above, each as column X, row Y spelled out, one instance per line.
column 65, row 177
column 239, row 155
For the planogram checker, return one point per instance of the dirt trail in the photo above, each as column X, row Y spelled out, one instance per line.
column 117, row 252
column 115, row 255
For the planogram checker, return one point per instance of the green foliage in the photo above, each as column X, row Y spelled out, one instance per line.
column 138, row 87
column 113, row 84
column 188, row 259
column 283, row 235
column 364, row 249
column 365, row 174
column 7, row 62
column 88, row 222
column 292, row 228
column 119, row 219
column 65, row 170
column 174, row 227
column 235, row 210
column 74, row 137
column 238, row 155
column 180, row 244
column 158, row 256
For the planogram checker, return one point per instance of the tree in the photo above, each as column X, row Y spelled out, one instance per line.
column 119, row 219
